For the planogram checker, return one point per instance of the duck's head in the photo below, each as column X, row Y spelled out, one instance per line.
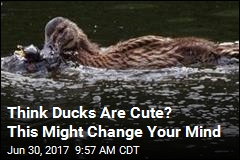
column 64, row 36
column 62, row 39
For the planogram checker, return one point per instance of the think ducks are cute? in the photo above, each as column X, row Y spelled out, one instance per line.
column 64, row 37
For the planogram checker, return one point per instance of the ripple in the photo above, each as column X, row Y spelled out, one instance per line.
column 197, row 96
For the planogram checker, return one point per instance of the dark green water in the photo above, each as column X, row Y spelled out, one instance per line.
column 198, row 96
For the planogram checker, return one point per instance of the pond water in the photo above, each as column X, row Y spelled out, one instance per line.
column 198, row 96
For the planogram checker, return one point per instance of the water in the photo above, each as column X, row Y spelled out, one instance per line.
column 198, row 96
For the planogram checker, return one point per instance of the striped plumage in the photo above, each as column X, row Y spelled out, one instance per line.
column 148, row 52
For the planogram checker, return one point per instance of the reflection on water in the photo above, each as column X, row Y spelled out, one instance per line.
column 197, row 96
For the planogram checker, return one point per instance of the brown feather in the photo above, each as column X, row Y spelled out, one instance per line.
column 146, row 52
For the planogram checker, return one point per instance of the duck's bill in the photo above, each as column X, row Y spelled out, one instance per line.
column 50, row 57
column 30, row 60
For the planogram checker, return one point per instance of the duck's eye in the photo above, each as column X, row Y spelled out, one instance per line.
column 60, row 30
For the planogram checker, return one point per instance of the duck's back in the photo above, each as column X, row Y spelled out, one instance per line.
column 153, row 52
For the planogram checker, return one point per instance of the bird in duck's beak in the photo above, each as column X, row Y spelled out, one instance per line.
column 30, row 59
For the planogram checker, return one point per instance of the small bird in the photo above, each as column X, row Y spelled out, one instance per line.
column 63, row 37
column 31, row 53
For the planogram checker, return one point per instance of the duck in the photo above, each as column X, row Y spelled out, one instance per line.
column 65, row 38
